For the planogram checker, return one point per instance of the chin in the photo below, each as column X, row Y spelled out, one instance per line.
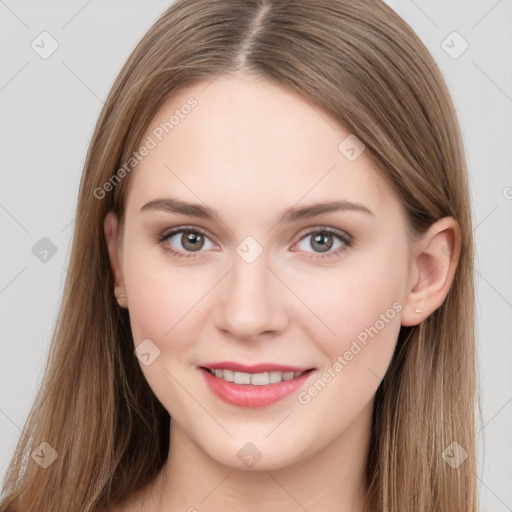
column 255, row 453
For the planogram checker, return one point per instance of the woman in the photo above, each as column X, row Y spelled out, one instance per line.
column 317, row 353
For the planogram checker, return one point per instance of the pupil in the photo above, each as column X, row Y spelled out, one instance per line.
column 191, row 241
column 323, row 245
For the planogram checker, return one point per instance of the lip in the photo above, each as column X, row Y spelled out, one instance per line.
column 255, row 368
column 249, row 395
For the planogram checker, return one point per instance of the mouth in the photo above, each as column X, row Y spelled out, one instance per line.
column 255, row 379
column 254, row 386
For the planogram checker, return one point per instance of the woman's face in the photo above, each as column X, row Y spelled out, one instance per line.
column 254, row 283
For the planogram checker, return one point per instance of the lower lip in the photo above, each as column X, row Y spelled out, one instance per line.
column 249, row 395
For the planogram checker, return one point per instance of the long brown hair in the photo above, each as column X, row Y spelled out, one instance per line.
column 361, row 63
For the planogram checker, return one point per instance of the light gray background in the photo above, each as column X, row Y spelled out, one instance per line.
column 49, row 108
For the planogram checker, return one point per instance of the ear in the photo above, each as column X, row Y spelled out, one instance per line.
column 434, row 261
column 110, row 227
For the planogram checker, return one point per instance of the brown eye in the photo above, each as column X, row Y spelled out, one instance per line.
column 183, row 242
column 323, row 240
column 192, row 241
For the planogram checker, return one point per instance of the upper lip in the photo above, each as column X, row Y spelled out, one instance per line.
column 254, row 368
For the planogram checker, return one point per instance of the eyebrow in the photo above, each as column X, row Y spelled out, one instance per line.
column 173, row 205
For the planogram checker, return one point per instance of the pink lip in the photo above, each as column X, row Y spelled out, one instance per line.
column 255, row 368
column 251, row 396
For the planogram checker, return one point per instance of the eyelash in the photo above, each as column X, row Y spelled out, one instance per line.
column 345, row 239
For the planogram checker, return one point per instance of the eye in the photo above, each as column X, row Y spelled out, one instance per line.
column 187, row 239
column 190, row 240
column 324, row 239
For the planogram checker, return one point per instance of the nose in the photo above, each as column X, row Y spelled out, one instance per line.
column 251, row 301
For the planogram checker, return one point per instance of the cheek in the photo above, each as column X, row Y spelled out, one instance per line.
column 365, row 317
column 357, row 301
column 165, row 301
column 359, row 307
column 164, row 304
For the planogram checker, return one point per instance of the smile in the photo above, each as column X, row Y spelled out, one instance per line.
column 253, row 390
column 256, row 379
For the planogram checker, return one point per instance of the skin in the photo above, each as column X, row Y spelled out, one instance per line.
column 251, row 149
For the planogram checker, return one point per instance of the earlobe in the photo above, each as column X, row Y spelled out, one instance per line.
column 110, row 227
column 435, row 260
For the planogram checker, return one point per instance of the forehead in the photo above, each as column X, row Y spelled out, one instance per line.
column 247, row 142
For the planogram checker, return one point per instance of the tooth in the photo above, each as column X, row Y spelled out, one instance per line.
column 260, row 379
column 275, row 377
column 242, row 378
column 256, row 379
column 228, row 375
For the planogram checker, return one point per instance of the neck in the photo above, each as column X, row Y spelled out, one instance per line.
column 332, row 479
